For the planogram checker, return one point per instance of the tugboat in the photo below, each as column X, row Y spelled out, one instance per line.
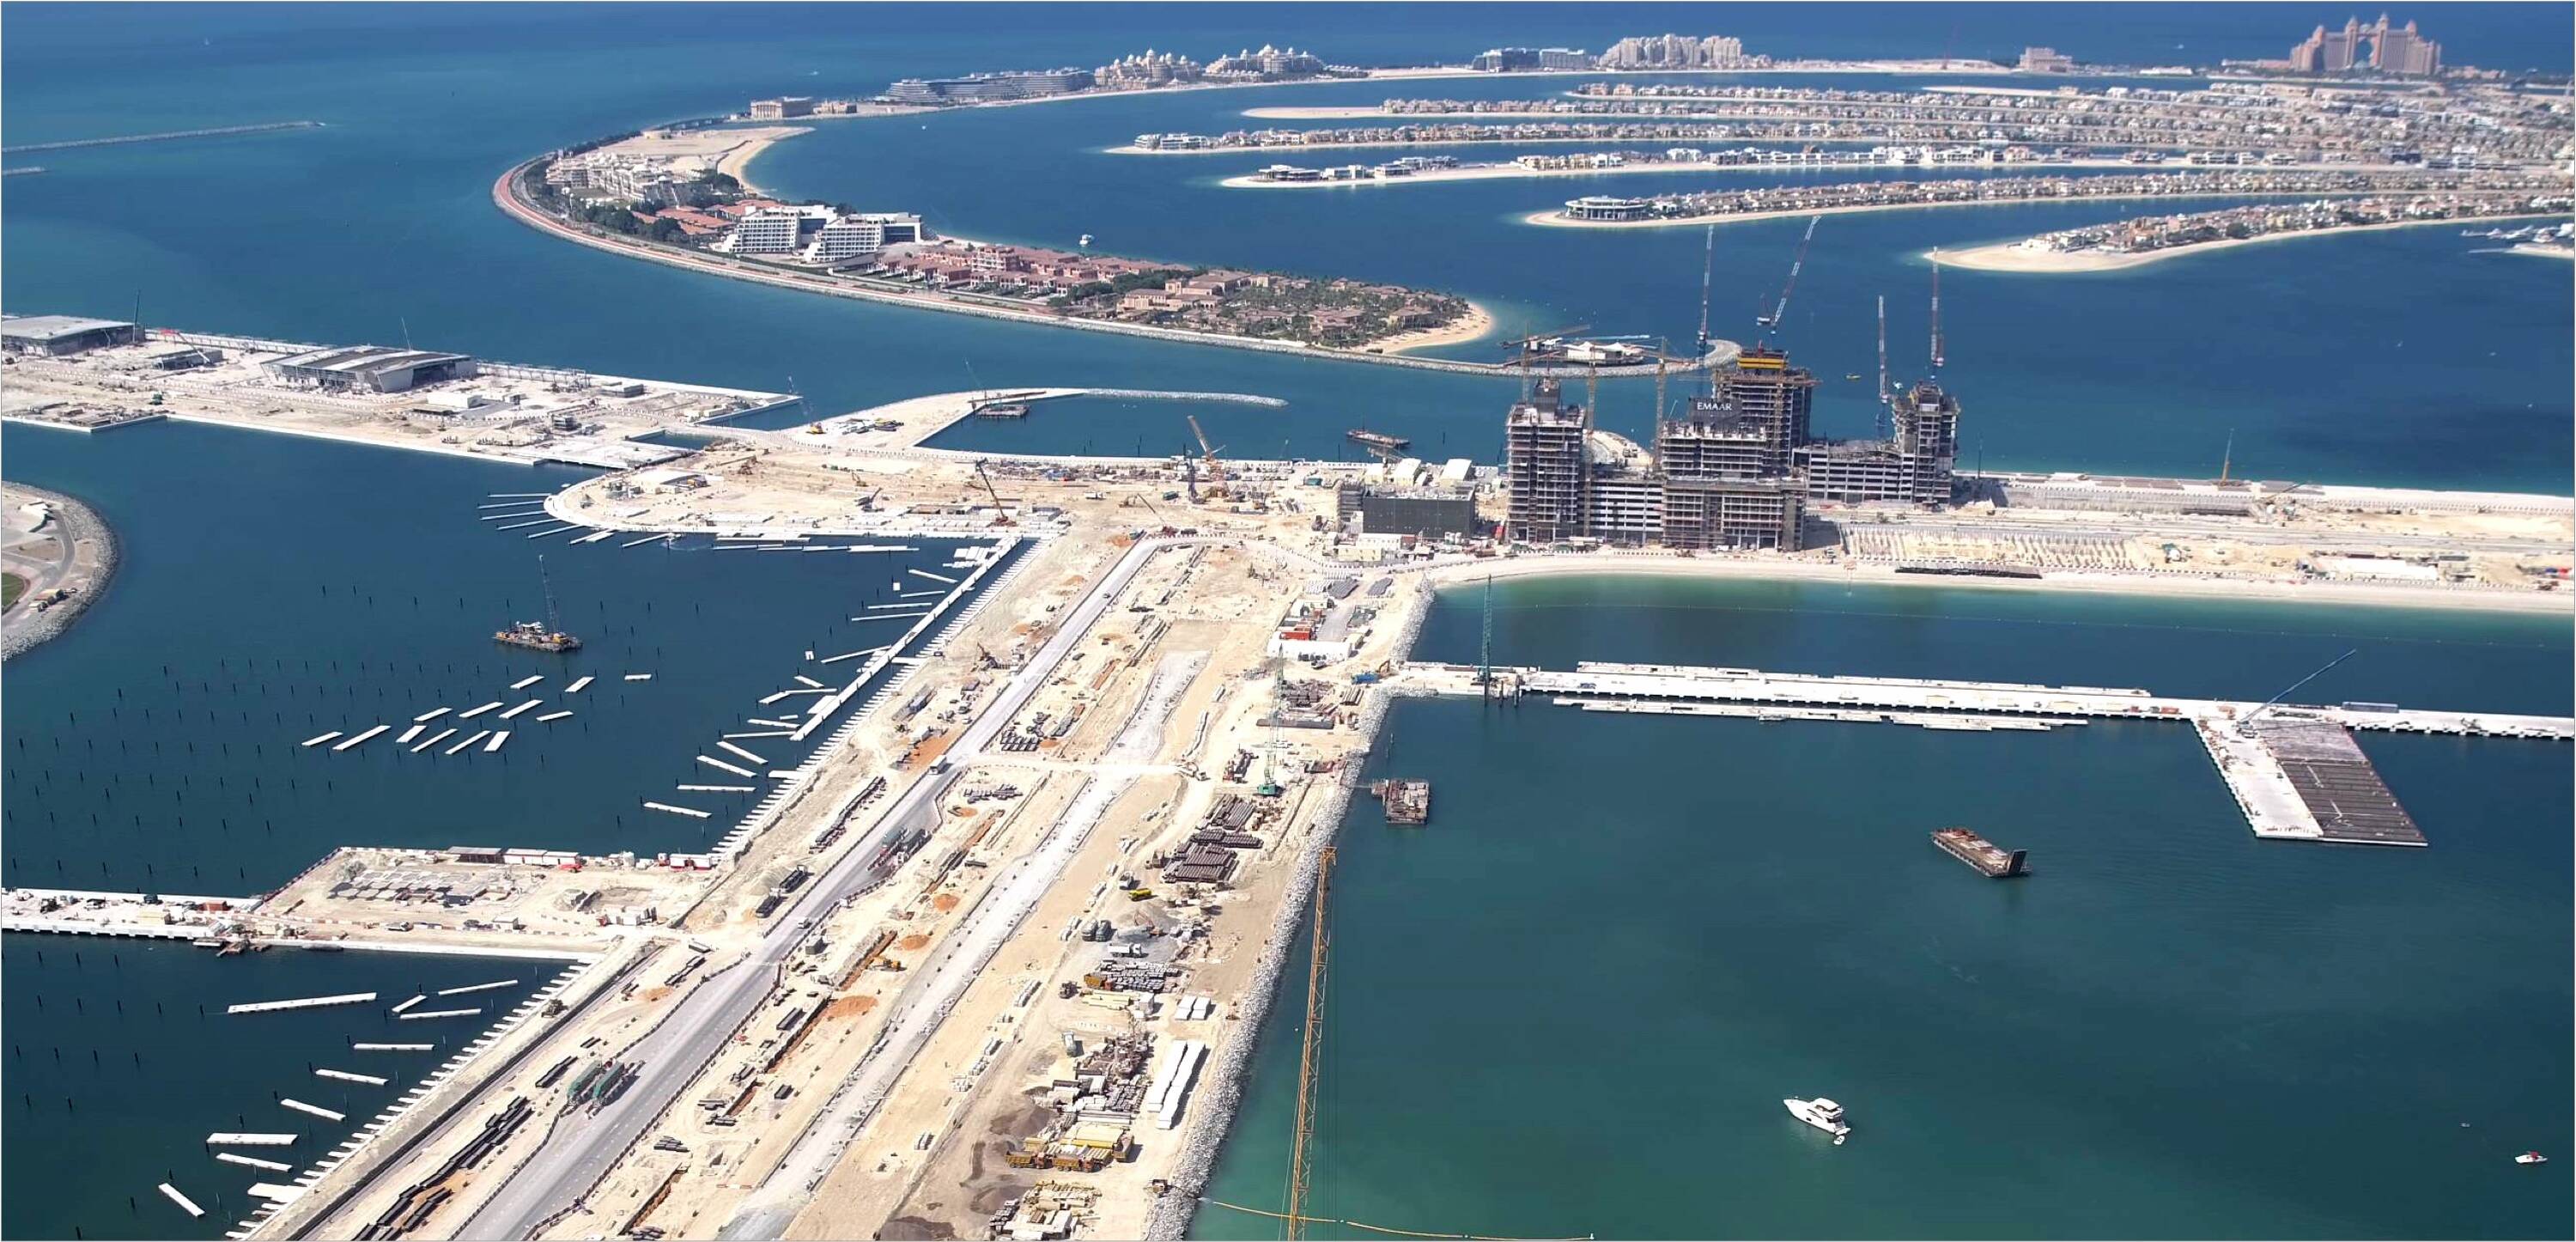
column 539, row 635
column 1823, row 1114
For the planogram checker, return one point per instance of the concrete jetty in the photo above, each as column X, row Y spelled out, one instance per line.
column 641, row 542
column 345, row 1076
column 318, row 739
column 433, row 740
column 544, row 533
column 527, row 681
column 307, row 1002
column 524, row 525
column 360, row 739
column 2295, row 770
column 595, row 536
column 811, row 682
column 924, row 573
column 235, row 1138
column 578, row 683
column 273, row 1166
column 185, row 1204
column 479, row 736
column 678, row 810
column 479, row 987
column 503, row 517
column 314, row 1109
column 739, row 751
column 719, row 763
column 471, row 713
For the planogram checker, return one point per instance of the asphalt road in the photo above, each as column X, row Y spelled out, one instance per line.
column 574, row 1157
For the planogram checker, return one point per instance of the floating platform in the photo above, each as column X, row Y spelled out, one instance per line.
column 409, row 1003
column 234, row 1138
column 478, row 987
column 527, row 681
column 515, row 711
column 1976, row 851
column 273, row 1166
column 392, row 1047
column 345, row 1076
column 316, row 741
column 578, row 683
column 432, row 714
column 498, row 737
column 677, row 810
column 316, row 1110
column 361, row 738
column 474, row 712
column 308, row 1002
column 185, row 1204
column 433, row 740
column 428, row 1014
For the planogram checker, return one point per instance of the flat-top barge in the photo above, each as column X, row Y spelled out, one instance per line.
column 1984, row 855
column 1407, row 802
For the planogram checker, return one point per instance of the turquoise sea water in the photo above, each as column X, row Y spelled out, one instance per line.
column 1573, row 1003
column 2173, row 1029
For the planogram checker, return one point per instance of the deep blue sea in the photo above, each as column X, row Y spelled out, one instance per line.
column 1571, row 1005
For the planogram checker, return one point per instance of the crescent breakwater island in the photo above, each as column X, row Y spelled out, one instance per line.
column 675, row 195
column 58, row 558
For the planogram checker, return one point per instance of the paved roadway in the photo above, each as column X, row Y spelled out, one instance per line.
column 574, row 1157
column 938, row 982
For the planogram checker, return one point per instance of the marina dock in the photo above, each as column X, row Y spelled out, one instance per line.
column 2295, row 771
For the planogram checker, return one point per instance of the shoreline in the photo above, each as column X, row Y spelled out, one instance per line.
column 737, row 162
column 2011, row 257
column 75, row 523
column 1557, row 220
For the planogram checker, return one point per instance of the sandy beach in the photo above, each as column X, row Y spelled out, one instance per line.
column 1667, row 564
column 736, row 163
column 1473, row 326
column 2018, row 257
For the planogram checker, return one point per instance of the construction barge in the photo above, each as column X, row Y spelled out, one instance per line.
column 1408, row 803
column 1976, row 851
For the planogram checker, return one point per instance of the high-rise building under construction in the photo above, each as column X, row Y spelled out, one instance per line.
column 1737, row 469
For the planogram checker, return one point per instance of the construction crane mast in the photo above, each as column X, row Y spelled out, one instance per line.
column 1936, row 308
column 1216, row 470
column 1779, row 313
column 1301, row 1169
column 1707, row 265
column 1881, row 427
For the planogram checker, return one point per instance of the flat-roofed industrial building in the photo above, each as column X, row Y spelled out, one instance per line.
column 56, row 335
column 370, row 368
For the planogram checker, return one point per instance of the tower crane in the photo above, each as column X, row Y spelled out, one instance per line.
column 1936, row 309
column 1215, row 469
column 1779, row 312
column 1880, row 427
column 1301, row 1169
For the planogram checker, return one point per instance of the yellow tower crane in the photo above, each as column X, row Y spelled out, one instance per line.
column 1301, row 1170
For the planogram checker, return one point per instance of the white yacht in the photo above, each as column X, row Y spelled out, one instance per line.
column 1823, row 1114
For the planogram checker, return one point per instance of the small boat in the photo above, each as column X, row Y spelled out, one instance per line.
column 1853, row 376
column 2531, row 1157
column 1086, row 240
column 1821, row 1113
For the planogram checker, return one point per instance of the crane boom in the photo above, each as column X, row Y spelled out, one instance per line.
column 1781, row 311
column 1882, row 362
column 1301, row 1169
column 2275, row 700
column 1216, row 472
column 1936, row 308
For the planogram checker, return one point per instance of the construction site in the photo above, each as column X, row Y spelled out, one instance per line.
column 992, row 962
